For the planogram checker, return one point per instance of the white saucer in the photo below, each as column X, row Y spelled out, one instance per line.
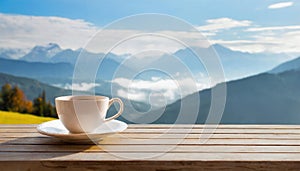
column 56, row 129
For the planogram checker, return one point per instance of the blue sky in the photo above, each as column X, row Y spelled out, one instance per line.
column 102, row 12
column 246, row 25
column 253, row 26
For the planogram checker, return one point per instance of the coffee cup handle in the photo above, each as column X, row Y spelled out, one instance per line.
column 111, row 101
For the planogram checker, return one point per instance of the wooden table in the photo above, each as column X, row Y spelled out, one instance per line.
column 155, row 147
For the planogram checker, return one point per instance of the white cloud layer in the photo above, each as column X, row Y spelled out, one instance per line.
column 254, row 29
column 136, row 89
column 78, row 87
column 217, row 24
column 275, row 39
column 162, row 91
column 280, row 5
column 274, row 42
column 20, row 31
column 24, row 32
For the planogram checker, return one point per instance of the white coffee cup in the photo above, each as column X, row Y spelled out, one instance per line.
column 85, row 113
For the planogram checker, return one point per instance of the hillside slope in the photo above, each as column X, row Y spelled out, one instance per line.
column 261, row 99
column 33, row 88
column 287, row 66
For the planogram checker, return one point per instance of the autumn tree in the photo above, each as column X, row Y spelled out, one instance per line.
column 42, row 107
column 38, row 107
column 6, row 91
column 14, row 99
column 19, row 102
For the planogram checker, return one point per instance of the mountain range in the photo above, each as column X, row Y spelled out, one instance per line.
column 236, row 64
column 270, row 96
column 12, row 53
column 37, row 70
column 266, row 98
column 52, row 65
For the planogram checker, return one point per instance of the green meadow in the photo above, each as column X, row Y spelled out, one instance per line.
column 20, row 118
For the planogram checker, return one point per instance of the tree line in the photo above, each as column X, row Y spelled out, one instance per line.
column 13, row 99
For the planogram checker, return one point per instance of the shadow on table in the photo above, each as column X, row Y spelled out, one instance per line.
column 42, row 147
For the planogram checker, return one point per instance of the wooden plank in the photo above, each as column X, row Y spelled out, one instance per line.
column 213, row 136
column 179, row 126
column 172, row 136
column 129, row 141
column 221, row 126
column 179, row 157
column 149, row 148
column 185, row 131
column 219, row 131
column 275, row 147
column 197, row 141
column 150, row 165
column 22, row 130
column 18, row 126
column 174, row 126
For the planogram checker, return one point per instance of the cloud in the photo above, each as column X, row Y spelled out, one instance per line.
column 166, row 42
column 132, row 95
column 274, row 42
column 159, row 89
column 24, row 32
column 79, row 87
column 275, row 39
column 20, row 31
column 135, row 41
column 156, row 90
column 250, row 46
column 254, row 29
column 280, row 5
column 215, row 25
column 163, row 91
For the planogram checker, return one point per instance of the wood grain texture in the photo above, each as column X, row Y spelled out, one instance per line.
column 157, row 147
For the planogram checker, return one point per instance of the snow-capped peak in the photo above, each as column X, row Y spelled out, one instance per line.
column 42, row 53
